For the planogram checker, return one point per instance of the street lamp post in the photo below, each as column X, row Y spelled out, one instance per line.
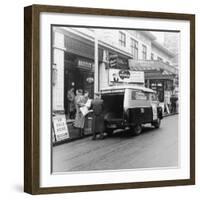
column 96, row 62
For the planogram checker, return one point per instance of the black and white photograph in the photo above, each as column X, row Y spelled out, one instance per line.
column 111, row 99
column 114, row 99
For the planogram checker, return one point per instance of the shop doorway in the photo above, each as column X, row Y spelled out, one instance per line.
column 78, row 79
column 158, row 86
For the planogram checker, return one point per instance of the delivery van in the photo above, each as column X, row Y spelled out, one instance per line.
column 129, row 107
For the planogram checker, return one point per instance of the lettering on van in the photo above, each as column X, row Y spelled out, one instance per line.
column 138, row 95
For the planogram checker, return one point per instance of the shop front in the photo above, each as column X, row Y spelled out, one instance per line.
column 159, row 77
column 78, row 75
column 77, row 72
column 163, row 88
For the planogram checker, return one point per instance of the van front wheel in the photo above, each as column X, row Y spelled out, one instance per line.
column 137, row 129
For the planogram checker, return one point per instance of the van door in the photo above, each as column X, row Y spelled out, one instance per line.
column 139, row 107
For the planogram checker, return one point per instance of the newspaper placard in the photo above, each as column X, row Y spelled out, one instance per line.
column 60, row 127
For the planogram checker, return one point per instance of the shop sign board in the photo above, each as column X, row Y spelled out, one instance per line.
column 116, row 62
column 60, row 127
column 125, row 76
column 85, row 64
column 113, row 60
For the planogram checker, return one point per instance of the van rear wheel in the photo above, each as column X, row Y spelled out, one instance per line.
column 137, row 129
column 156, row 124
column 109, row 131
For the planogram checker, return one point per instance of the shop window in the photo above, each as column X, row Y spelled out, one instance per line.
column 168, row 85
column 158, row 86
column 54, row 75
column 144, row 52
column 154, row 97
column 122, row 39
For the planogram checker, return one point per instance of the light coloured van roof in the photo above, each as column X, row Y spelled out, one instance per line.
column 121, row 88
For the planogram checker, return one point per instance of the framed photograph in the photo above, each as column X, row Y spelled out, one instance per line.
column 109, row 99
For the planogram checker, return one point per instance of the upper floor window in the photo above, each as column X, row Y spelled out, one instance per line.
column 160, row 59
column 152, row 56
column 122, row 39
column 167, row 62
column 144, row 52
column 134, row 48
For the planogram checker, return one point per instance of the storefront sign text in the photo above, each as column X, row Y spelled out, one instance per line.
column 85, row 64
column 118, row 63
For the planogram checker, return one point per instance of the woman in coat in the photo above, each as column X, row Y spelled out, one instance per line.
column 79, row 119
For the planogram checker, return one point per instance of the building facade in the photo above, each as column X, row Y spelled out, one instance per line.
column 171, row 42
column 73, row 63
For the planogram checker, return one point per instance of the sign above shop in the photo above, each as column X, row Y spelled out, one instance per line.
column 60, row 127
column 116, row 62
column 113, row 61
column 151, row 65
column 125, row 76
column 85, row 64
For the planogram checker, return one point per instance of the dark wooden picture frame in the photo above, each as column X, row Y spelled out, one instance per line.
column 32, row 94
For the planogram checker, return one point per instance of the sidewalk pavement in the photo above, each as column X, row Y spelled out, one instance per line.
column 75, row 135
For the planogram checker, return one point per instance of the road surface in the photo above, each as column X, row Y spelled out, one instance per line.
column 153, row 148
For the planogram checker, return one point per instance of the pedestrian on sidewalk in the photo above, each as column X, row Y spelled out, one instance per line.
column 79, row 119
column 97, row 116
column 71, row 103
column 173, row 100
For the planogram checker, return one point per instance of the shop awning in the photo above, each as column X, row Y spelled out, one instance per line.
column 153, row 69
column 152, row 64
